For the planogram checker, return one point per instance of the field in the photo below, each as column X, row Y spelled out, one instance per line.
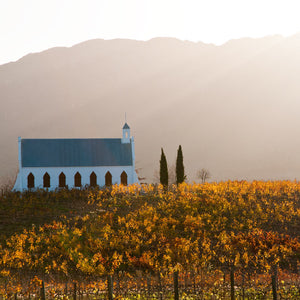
column 208, row 241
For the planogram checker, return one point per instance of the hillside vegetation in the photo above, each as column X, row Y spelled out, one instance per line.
column 244, row 228
column 21, row 211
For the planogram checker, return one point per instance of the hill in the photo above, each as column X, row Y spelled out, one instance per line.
column 233, row 108
column 247, row 229
column 39, row 208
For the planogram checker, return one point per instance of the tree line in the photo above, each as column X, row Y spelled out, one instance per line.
column 180, row 176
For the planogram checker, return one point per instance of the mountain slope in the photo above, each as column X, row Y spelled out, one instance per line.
column 233, row 108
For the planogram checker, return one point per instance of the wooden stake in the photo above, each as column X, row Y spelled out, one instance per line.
column 43, row 292
column 75, row 291
column 232, row 283
column 110, row 287
column 176, row 289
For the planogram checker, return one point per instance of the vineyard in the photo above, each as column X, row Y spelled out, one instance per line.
column 228, row 240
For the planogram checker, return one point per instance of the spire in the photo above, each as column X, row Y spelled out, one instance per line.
column 126, row 126
column 126, row 132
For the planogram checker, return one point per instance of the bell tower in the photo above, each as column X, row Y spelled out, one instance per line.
column 126, row 134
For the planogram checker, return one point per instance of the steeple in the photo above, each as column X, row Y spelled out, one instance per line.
column 126, row 134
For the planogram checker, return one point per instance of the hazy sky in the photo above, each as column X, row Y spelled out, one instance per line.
column 35, row 25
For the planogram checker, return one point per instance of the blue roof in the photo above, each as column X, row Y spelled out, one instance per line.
column 126, row 126
column 75, row 152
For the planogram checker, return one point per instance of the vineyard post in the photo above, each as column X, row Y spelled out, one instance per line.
column 224, row 283
column 149, row 284
column 66, row 289
column 118, row 287
column 274, row 282
column 5, row 286
column 138, row 282
column 194, row 280
column 126, row 284
column 243, row 285
column 232, row 283
column 110, row 287
column 79, row 290
column 43, row 293
column 186, row 280
column 75, row 291
column 160, row 286
column 85, row 291
column 276, row 276
column 26, row 287
column 176, row 292
column 274, row 289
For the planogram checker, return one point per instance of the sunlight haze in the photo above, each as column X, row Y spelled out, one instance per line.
column 33, row 26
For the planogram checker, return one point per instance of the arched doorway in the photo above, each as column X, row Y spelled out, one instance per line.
column 46, row 180
column 77, row 180
column 93, row 179
column 30, row 181
column 124, row 178
column 62, row 180
column 108, row 179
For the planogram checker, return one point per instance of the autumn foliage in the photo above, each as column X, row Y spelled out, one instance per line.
column 249, row 227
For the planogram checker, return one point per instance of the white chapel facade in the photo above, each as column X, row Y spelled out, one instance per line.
column 75, row 163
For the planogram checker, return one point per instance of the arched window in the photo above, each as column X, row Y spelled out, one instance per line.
column 93, row 179
column 62, row 180
column 30, row 181
column 77, row 180
column 108, row 179
column 46, row 180
column 124, row 178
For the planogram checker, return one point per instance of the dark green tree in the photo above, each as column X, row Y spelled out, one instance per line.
column 180, row 177
column 163, row 171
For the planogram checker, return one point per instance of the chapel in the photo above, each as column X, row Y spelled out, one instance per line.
column 75, row 163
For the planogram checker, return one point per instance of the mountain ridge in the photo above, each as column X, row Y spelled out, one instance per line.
column 203, row 96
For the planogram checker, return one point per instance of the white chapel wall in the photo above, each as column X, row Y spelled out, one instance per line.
column 70, row 172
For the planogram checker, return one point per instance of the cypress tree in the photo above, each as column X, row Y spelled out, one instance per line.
column 180, row 177
column 163, row 171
